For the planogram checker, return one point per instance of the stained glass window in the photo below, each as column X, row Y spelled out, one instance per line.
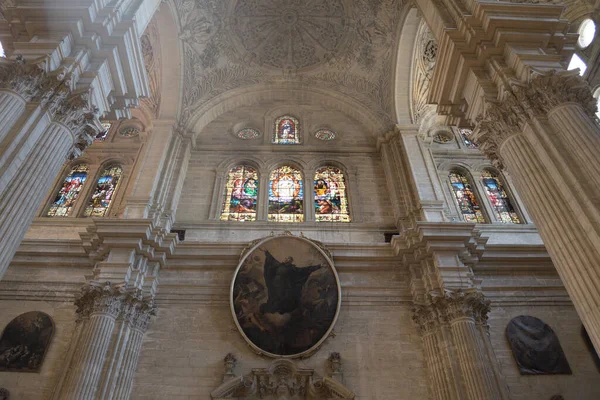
column 248, row 133
column 104, row 192
column 287, row 130
column 465, row 198
column 467, row 139
column 325, row 135
column 101, row 136
column 67, row 194
column 286, row 194
column 241, row 192
column 501, row 204
column 129, row 131
column 331, row 201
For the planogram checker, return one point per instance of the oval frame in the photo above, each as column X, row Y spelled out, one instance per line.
column 250, row 250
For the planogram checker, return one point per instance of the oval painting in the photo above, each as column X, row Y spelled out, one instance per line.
column 285, row 296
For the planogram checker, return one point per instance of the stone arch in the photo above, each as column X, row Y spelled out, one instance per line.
column 404, row 66
column 257, row 94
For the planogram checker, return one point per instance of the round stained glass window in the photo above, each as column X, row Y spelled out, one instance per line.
column 325, row 134
column 248, row 133
column 587, row 31
column 129, row 131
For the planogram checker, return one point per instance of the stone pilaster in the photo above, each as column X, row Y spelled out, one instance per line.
column 457, row 357
column 115, row 308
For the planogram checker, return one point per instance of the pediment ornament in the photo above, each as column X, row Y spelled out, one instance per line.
column 282, row 380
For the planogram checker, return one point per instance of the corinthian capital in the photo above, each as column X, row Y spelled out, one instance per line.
column 95, row 299
column 75, row 111
column 503, row 119
column 21, row 77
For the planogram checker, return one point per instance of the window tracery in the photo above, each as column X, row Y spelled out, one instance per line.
column 465, row 197
column 331, row 201
column 248, row 133
column 65, row 198
column 501, row 203
column 286, row 195
column 287, row 130
column 241, row 194
column 104, row 192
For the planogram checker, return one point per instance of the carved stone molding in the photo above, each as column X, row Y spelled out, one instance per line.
column 281, row 380
column 114, row 302
column 521, row 103
column 450, row 307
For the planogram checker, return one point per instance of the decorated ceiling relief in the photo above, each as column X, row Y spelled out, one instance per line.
column 338, row 45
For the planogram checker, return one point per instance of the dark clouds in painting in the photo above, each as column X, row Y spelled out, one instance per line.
column 285, row 296
column 24, row 342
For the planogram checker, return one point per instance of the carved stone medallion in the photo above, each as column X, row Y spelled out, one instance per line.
column 290, row 34
column 285, row 296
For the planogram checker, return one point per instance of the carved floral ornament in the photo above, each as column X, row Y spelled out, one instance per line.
column 523, row 102
column 451, row 306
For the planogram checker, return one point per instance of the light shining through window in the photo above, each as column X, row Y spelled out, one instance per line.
column 587, row 31
column 577, row 62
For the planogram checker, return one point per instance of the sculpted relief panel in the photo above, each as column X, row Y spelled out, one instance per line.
column 343, row 46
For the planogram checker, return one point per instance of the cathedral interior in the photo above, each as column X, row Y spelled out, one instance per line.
column 300, row 199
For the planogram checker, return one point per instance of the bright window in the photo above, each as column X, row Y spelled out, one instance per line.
column 65, row 198
column 587, row 31
column 287, row 130
column 331, row 201
column 577, row 62
column 241, row 193
column 286, row 195
column 501, row 204
column 104, row 193
column 465, row 198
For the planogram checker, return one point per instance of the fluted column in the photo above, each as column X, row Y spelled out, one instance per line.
column 12, row 107
column 98, row 308
column 544, row 134
column 444, row 385
column 43, row 124
column 459, row 364
column 112, row 322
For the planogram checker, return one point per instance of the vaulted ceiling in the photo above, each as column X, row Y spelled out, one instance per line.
column 344, row 47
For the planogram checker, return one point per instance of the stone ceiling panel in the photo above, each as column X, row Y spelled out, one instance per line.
column 338, row 45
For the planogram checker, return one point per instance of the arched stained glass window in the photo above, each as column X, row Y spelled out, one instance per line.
column 465, row 198
column 287, row 130
column 331, row 201
column 286, row 195
column 501, row 204
column 241, row 192
column 67, row 194
column 104, row 192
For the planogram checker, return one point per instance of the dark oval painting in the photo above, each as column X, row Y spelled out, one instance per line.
column 285, row 296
